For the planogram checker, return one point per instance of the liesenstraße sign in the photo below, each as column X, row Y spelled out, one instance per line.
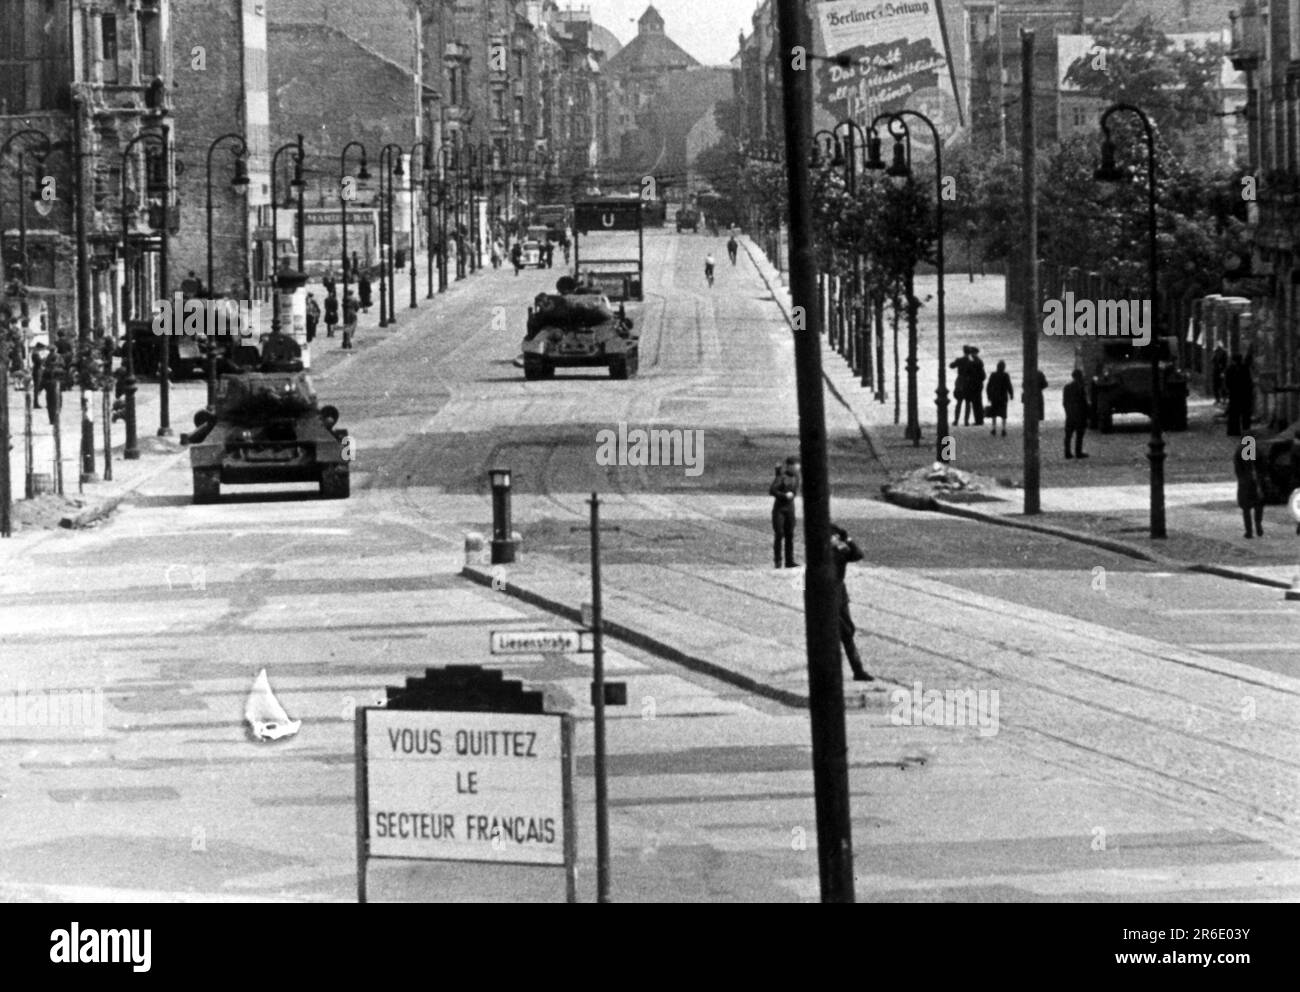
column 539, row 641
column 465, row 786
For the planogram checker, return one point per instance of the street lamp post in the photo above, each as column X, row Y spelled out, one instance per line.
column 363, row 175
column 942, row 448
column 1110, row 172
column 388, row 170
column 444, row 193
column 459, row 161
column 425, row 164
column 296, row 184
column 131, row 449
column 239, row 184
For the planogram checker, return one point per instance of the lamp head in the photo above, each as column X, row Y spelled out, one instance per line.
column 898, row 168
column 240, row 182
column 1108, row 171
column 874, row 161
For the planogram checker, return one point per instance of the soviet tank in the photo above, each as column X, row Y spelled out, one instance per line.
column 267, row 426
column 578, row 328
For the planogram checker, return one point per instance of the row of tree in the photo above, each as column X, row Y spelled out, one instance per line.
column 1096, row 226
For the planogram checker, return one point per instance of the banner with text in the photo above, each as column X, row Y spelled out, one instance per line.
column 901, row 60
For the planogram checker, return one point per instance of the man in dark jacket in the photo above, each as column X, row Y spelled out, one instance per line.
column 844, row 550
column 1074, row 397
column 784, row 488
column 1241, row 396
column 961, row 388
column 975, row 390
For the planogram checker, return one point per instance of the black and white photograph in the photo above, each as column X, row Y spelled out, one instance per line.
column 744, row 452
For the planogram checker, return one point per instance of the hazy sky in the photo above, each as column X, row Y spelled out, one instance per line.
column 708, row 29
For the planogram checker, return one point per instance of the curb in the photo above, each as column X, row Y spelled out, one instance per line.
column 834, row 390
column 645, row 642
column 98, row 511
column 928, row 503
column 910, row 501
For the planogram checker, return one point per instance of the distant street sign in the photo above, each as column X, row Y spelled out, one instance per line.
column 540, row 641
column 605, row 215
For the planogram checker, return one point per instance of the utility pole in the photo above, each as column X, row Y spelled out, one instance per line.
column 1032, row 394
column 84, row 342
column 598, row 705
column 825, row 677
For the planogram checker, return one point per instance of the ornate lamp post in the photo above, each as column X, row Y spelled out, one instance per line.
column 444, row 193
column 904, row 137
column 426, row 163
column 295, row 185
column 363, row 175
column 240, row 185
column 389, row 169
column 131, row 449
column 1110, row 172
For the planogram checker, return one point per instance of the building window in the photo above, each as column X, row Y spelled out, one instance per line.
column 108, row 47
column 150, row 45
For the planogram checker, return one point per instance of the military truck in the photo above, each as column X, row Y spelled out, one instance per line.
column 268, row 427
column 1118, row 373
column 578, row 329
column 688, row 218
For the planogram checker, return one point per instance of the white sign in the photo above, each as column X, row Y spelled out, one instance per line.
column 465, row 786
column 1295, row 503
column 539, row 642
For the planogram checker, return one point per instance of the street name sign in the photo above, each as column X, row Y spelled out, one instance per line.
column 540, row 641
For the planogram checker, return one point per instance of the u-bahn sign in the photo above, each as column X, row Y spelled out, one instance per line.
column 607, row 215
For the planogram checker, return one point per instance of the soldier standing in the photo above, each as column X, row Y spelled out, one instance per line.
column 1074, row 397
column 349, row 318
column 784, row 488
column 844, row 550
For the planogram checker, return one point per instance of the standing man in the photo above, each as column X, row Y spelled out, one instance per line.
column 517, row 256
column 733, row 246
column 328, row 280
column 975, row 391
column 845, row 549
column 363, row 288
column 331, row 313
column 313, row 317
column 349, row 318
column 1241, row 395
column 1074, row 397
column 784, row 488
column 961, row 388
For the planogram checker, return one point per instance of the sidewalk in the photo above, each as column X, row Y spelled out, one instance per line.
column 83, row 505
column 1104, row 500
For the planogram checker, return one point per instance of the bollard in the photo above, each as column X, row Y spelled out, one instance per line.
column 503, row 542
